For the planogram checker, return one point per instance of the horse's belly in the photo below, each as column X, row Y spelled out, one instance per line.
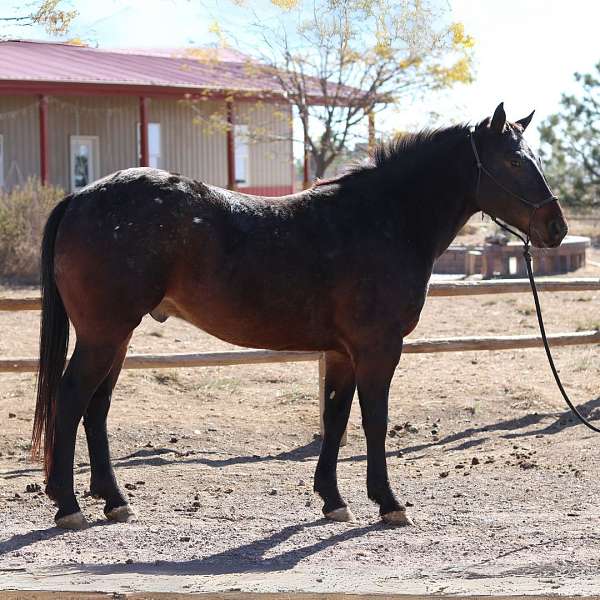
column 276, row 329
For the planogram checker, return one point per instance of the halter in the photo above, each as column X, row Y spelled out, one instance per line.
column 527, row 255
column 532, row 205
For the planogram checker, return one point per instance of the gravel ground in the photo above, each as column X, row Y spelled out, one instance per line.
column 218, row 462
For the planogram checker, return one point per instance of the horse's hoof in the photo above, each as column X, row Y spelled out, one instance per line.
column 399, row 518
column 342, row 515
column 72, row 521
column 122, row 514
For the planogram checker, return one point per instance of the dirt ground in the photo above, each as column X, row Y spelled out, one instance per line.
column 218, row 463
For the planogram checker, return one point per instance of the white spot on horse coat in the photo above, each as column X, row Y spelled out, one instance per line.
column 332, row 395
column 197, row 220
column 158, row 200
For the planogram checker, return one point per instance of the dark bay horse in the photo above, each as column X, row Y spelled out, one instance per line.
column 341, row 268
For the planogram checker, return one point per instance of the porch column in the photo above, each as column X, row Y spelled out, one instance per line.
column 371, row 131
column 230, row 145
column 43, row 118
column 144, row 155
column 306, row 166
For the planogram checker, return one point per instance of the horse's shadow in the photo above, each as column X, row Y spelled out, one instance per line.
column 22, row 540
column 247, row 558
column 520, row 427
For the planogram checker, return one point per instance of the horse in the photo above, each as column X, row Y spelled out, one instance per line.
column 340, row 268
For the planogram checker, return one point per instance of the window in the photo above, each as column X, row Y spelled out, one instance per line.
column 84, row 161
column 1, row 161
column 241, row 147
column 154, row 153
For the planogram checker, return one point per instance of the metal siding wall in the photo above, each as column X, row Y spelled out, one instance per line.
column 194, row 149
column 197, row 150
column 271, row 143
column 21, row 138
column 112, row 119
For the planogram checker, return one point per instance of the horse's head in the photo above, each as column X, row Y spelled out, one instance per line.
column 512, row 186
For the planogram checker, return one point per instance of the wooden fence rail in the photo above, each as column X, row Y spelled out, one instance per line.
column 256, row 357
column 436, row 289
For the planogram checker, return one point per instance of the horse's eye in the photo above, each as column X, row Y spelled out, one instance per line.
column 515, row 163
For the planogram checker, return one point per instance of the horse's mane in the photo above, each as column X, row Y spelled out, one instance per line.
column 404, row 153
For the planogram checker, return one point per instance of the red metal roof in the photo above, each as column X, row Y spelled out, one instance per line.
column 26, row 61
column 32, row 65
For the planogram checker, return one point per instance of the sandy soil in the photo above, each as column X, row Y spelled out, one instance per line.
column 218, row 462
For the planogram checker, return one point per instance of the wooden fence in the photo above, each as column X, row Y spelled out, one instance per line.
column 417, row 346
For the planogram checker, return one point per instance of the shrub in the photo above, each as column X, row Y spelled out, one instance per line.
column 23, row 214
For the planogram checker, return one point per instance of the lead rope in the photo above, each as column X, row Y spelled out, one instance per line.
column 538, row 311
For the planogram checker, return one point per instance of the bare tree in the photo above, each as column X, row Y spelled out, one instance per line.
column 339, row 61
column 48, row 13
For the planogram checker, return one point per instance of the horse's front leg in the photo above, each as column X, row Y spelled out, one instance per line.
column 339, row 392
column 374, row 372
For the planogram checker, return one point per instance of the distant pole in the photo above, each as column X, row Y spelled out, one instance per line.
column 144, row 154
column 371, row 130
column 230, row 145
column 306, row 171
column 43, row 114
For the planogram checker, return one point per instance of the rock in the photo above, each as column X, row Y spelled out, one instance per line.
column 173, row 440
column 129, row 561
column 408, row 504
column 130, row 486
column 11, row 415
column 444, row 474
column 185, row 538
column 33, row 487
column 392, row 433
column 273, row 492
column 459, row 466
column 527, row 464
column 474, row 461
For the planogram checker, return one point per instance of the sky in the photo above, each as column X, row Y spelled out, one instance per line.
column 525, row 54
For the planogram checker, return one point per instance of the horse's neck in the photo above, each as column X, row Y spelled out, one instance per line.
column 447, row 220
column 444, row 204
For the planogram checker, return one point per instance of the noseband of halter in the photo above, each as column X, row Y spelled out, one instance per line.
column 532, row 205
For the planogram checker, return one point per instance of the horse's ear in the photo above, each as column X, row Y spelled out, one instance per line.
column 499, row 119
column 525, row 121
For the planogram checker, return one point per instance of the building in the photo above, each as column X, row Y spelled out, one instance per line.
column 71, row 114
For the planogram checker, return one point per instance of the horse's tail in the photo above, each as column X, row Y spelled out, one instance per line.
column 54, row 340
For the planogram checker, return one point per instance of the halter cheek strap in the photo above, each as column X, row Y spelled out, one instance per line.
column 532, row 205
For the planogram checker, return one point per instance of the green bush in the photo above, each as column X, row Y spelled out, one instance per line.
column 23, row 214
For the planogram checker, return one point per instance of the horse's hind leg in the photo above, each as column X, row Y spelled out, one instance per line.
column 339, row 392
column 87, row 369
column 103, row 483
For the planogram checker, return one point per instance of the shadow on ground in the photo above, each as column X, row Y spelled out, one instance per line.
column 520, row 427
column 242, row 559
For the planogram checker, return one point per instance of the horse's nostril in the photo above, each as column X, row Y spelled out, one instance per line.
column 558, row 228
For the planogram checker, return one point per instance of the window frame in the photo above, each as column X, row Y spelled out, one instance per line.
column 94, row 164
column 138, row 130
column 241, row 137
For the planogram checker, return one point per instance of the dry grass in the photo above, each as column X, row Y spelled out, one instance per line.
column 23, row 214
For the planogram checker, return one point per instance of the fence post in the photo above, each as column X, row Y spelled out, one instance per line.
column 322, row 401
